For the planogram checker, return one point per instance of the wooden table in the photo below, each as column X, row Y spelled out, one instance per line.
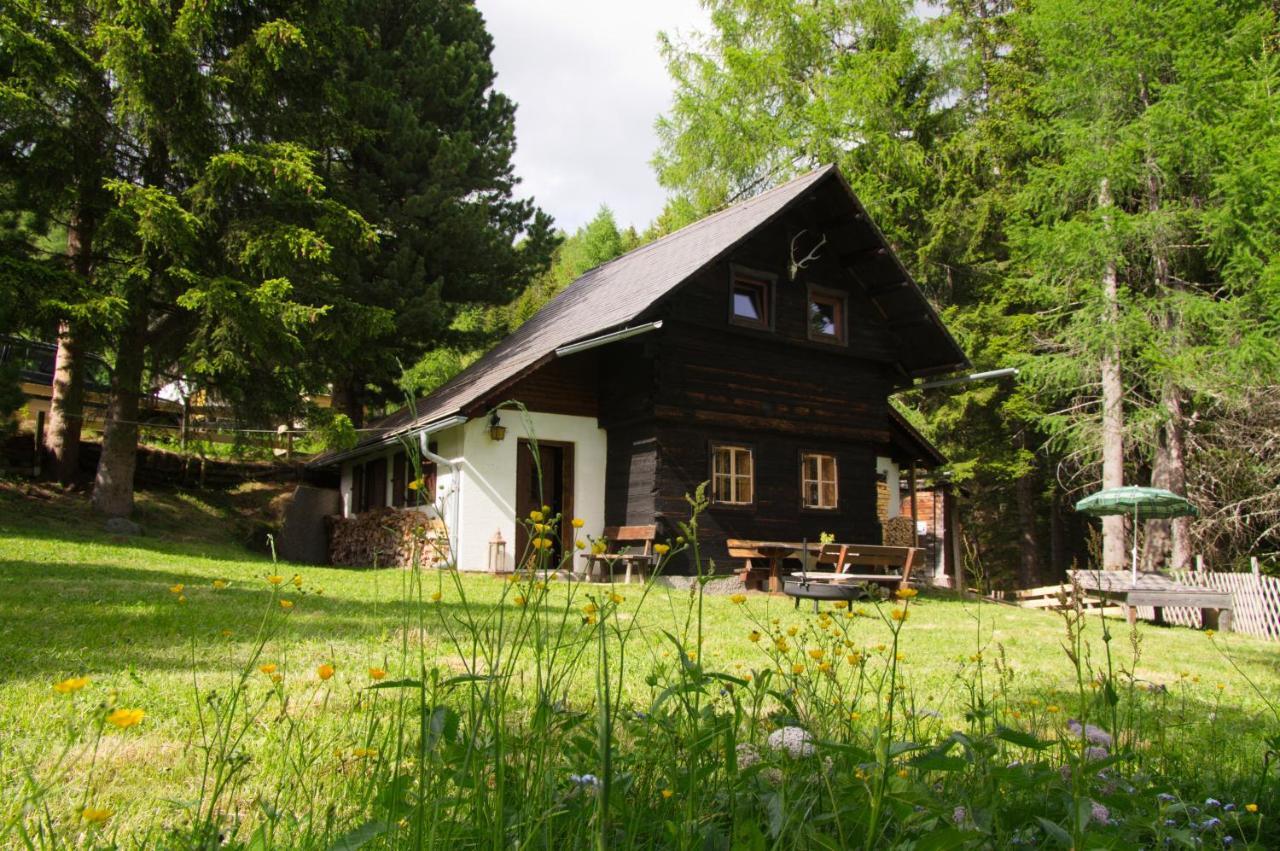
column 1157, row 591
column 774, row 552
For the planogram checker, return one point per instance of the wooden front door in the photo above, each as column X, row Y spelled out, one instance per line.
column 554, row 489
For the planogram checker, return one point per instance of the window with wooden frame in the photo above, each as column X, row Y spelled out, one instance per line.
column 826, row 316
column 818, row 488
column 751, row 300
column 732, row 475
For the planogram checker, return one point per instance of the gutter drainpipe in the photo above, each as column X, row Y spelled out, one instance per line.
column 962, row 379
column 605, row 339
column 455, row 489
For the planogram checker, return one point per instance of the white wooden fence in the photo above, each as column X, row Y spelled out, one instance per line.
column 1256, row 599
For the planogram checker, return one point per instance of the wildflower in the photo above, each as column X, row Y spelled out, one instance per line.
column 589, row 609
column 520, row 600
column 1099, row 813
column 176, row 589
column 414, row 485
column 853, row 658
column 325, row 671
column 824, row 667
column 855, row 716
column 125, row 718
column 535, row 516
column 667, row 793
column 219, row 584
column 540, row 528
column 1052, row 709
column 1095, row 753
column 1211, row 803
column 905, row 593
column 435, row 596
column 860, row 774
column 73, row 684
column 297, row 580
column 96, row 815
column 1211, row 823
column 276, row 678
column 599, row 547
column 376, row 673
column 797, row 669
column 364, row 753
column 903, row 773
column 738, row 599
column 226, row 633
column 958, row 815
column 269, row 668
column 1094, row 735
column 286, row 604
column 1165, row 797
column 898, row 614
column 816, row 653
column 748, row 755
column 616, row 599
column 1251, row 808
column 541, row 543
column 275, row 580
column 791, row 631
column 589, row 620
column 1209, row 633
column 662, row 549
column 578, row 522
column 880, row 648
column 580, row 544
column 692, row 655
column 753, row 636
column 781, row 643
column 795, row 741
column 841, row 604
column 585, row 781
column 182, row 599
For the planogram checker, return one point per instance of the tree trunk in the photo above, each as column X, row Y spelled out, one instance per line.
column 1176, row 441
column 1029, row 546
column 346, row 400
column 66, row 400
column 1113, row 548
column 1157, row 534
column 113, row 486
column 66, row 407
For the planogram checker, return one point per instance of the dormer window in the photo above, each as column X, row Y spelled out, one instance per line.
column 826, row 316
column 751, row 301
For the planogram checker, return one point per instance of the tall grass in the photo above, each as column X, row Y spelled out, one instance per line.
column 508, row 725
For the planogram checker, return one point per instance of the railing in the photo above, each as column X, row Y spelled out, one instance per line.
column 1256, row 599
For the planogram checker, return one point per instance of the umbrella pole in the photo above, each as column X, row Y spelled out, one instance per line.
column 1134, row 568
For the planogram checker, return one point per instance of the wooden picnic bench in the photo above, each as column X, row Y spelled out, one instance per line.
column 892, row 564
column 622, row 542
column 1157, row 591
column 853, row 568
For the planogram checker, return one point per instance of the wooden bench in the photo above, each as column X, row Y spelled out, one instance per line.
column 615, row 537
column 850, row 574
column 1158, row 592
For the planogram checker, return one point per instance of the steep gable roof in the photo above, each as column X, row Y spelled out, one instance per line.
column 608, row 298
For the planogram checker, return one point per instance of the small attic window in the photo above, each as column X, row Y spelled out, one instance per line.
column 751, row 301
column 826, row 316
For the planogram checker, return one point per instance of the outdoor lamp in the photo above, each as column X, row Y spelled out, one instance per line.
column 497, row 431
column 497, row 553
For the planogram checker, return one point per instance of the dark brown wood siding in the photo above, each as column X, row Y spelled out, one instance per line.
column 562, row 386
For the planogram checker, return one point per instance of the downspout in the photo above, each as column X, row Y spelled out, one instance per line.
column 455, row 490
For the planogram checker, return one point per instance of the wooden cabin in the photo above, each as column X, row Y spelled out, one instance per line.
column 755, row 349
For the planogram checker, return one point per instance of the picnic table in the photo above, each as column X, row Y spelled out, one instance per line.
column 1157, row 591
column 772, row 552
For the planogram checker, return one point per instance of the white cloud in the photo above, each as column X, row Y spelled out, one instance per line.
column 589, row 83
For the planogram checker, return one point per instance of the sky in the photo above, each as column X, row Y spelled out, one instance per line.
column 589, row 83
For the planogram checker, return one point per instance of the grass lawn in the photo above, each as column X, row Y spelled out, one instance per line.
column 75, row 601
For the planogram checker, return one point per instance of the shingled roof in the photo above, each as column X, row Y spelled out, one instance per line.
column 605, row 299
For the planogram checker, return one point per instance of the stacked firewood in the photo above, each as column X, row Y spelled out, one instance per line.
column 387, row 537
column 899, row 532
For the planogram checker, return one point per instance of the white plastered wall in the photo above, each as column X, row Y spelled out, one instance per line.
column 888, row 468
column 488, row 480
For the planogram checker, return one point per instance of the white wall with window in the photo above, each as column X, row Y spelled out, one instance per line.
column 888, row 468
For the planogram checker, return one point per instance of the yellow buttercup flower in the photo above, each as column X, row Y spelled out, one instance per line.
column 791, row 631
column 841, row 604
column 182, row 598
column 589, row 609
column 905, row 593
column 580, row 544
column 520, row 600
column 73, row 684
column 855, row 716
column 376, row 673
column 753, row 636
column 589, row 620
column 598, row 547
column 535, row 516
column 662, row 549
column 616, row 599
column 578, row 523
column 1209, row 633
column 276, row 678
column 219, row 584
column 541, row 543
column 540, row 527
column 1052, row 709
column 297, row 580
column 816, row 653
column 125, row 718
column 226, row 633
column 268, row 668
column 738, row 599
column 667, row 793
column 824, row 666
column 903, row 773
column 435, row 596
column 364, row 753
column 96, row 815
column 286, row 604
column 781, row 643
column 899, row 614
column 853, row 658
column 797, row 668
column 1252, row 808
column 275, row 580
column 325, row 671
column 176, row 589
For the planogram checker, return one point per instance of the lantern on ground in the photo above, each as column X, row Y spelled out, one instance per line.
column 497, row 553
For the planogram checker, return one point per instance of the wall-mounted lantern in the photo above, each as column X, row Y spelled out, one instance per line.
column 497, row 431
column 497, row 553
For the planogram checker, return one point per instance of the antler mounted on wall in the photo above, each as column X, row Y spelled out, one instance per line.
column 796, row 265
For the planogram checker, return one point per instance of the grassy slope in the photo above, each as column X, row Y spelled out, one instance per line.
column 75, row 601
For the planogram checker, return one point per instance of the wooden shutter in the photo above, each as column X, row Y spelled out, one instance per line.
column 375, row 483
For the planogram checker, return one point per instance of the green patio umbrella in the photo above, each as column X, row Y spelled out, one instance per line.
column 1142, row 503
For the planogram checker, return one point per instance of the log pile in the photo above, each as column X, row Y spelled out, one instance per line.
column 387, row 537
column 899, row 532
